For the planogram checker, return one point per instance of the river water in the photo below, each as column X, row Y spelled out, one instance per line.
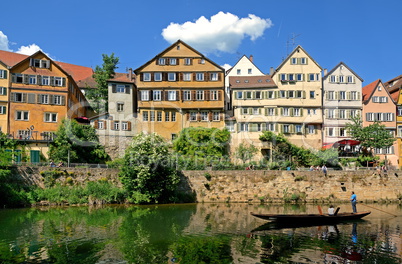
column 194, row 233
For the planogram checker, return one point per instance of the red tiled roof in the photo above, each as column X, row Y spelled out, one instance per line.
column 394, row 84
column 123, row 77
column 251, row 81
column 77, row 72
column 368, row 90
column 395, row 95
column 11, row 58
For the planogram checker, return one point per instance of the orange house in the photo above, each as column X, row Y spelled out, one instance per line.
column 378, row 105
column 179, row 88
column 40, row 95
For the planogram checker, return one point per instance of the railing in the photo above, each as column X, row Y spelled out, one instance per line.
column 71, row 165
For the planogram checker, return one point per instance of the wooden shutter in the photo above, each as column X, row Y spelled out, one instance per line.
column 39, row 79
column 25, row 78
column 210, row 116
column 127, row 88
column 113, row 88
column 96, row 124
column 31, row 98
column 63, row 100
column 128, row 125
column 206, row 95
column 141, row 76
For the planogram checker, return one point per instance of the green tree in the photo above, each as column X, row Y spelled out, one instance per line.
column 372, row 136
column 245, row 152
column 7, row 146
column 78, row 142
column 148, row 173
column 202, row 142
column 99, row 96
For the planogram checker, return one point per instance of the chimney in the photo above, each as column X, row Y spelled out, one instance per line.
column 271, row 71
column 251, row 58
column 130, row 74
column 325, row 72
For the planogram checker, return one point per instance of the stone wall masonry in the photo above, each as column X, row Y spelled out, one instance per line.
column 255, row 185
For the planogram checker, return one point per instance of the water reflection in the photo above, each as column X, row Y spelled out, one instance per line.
column 195, row 233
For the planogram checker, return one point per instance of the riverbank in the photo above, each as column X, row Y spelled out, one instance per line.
column 244, row 186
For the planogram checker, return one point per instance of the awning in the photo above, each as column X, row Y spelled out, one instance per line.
column 341, row 143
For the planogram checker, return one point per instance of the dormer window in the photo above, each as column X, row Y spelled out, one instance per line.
column 379, row 88
column 39, row 63
column 161, row 61
column 172, row 61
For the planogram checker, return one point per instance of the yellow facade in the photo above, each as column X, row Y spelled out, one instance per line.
column 179, row 88
column 299, row 99
column 4, row 83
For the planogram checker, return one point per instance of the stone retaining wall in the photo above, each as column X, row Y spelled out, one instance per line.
column 254, row 186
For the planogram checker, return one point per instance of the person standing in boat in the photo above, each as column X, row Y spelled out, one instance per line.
column 331, row 210
column 353, row 200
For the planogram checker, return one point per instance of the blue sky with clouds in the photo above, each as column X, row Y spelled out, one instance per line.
column 366, row 35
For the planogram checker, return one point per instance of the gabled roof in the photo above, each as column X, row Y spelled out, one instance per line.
column 343, row 64
column 244, row 56
column 171, row 47
column 80, row 74
column 368, row 90
column 251, row 82
column 123, row 78
column 394, row 84
column 291, row 54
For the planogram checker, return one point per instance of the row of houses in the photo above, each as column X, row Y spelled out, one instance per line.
column 181, row 88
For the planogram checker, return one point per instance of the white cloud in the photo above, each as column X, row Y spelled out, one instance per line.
column 4, row 43
column 28, row 50
column 223, row 32
column 226, row 66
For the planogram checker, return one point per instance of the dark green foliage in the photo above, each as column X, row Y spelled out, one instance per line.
column 202, row 142
column 79, row 142
column 99, row 96
column 12, row 194
column 149, row 174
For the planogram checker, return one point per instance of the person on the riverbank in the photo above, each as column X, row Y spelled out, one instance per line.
column 353, row 200
column 331, row 210
column 324, row 170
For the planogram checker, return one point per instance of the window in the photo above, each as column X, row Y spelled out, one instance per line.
column 204, row 116
column 311, row 111
column 299, row 94
column 199, row 76
column 286, row 129
column 120, row 88
column 32, row 79
column 39, row 63
column 213, row 95
column 250, row 71
column 293, row 61
column 291, row 94
column 312, row 95
column 18, row 97
column 214, row 76
column 239, row 95
column 375, row 99
column 297, row 111
column 285, row 111
column 187, row 61
column 157, row 76
column 271, row 94
column 341, row 78
column 144, row 95
column 58, row 81
column 383, row 99
column 171, row 76
column 389, row 117
column 201, row 61
column 51, row 117
column 156, row 95
column 186, row 95
column 303, row 61
column 116, row 125
column 399, row 110
column 146, row 77
column 331, row 113
column 313, row 77
column 282, row 77
column 167, row 116
column 101, row 124
column 238, row 71
column 248, row 95
column 152, row 116
column 145, row 116
column 172, row 96
column 124, row 125
column 282, row 94
column 173, row 136
column 243, row 126
column 350, row 79
column 298, row 128
column 172, row 61
column 291, row 77
column 332, row 78
column 3, row 110
column 3, row 90
column 244, row 111
column 173, row 116
column 193, row 116
column 161, row 61
column 353, row 113
column 230, row 127
column 17, row 78
column 342, row 95
column 187, row 76
column 256, row 111
column 311, row 129
column 330, row 131
column 44, row 99
column 299, row 77
column 200, row 95
column 24, row 134
column 270, row 111
column 342, row 114
column 120, row 107
column 3, row 74
column 215, row 116
column 22, row 115
column 342, row 132
column 45, row 80
column 354, row 96
column 159, row 116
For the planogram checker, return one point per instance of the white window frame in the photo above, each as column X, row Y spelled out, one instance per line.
column 120, row 88
column 119, row 106
column 161, row 61
column 22, row 115
column 172, row 61
column 171, row 76
column 187, row 61
column 58, row 81
column 216, row 116
column 146, row 76
column 159, row 116
column 156, row 95
column 311, row 129
column 145, row 116
column 186, row 95
column 204, row 115
column 124, row 125
column 157, row 76
column 50, row 117
column 200, row 95
column 214, row 76
column 187, row 76
column 193, row 116
column 45, row 80
column 173, row 116
column 116, row 125
column 199, row 76
column 213, row 95
column 172, row 96
column 144, row 95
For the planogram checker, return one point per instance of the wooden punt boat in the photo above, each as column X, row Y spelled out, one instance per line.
column 312, row 218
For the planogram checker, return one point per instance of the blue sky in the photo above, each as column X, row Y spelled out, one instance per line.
column 366, row 35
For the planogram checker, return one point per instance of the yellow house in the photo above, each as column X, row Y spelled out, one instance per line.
column 179, row 88
column 299, row 99
column 4, row 81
